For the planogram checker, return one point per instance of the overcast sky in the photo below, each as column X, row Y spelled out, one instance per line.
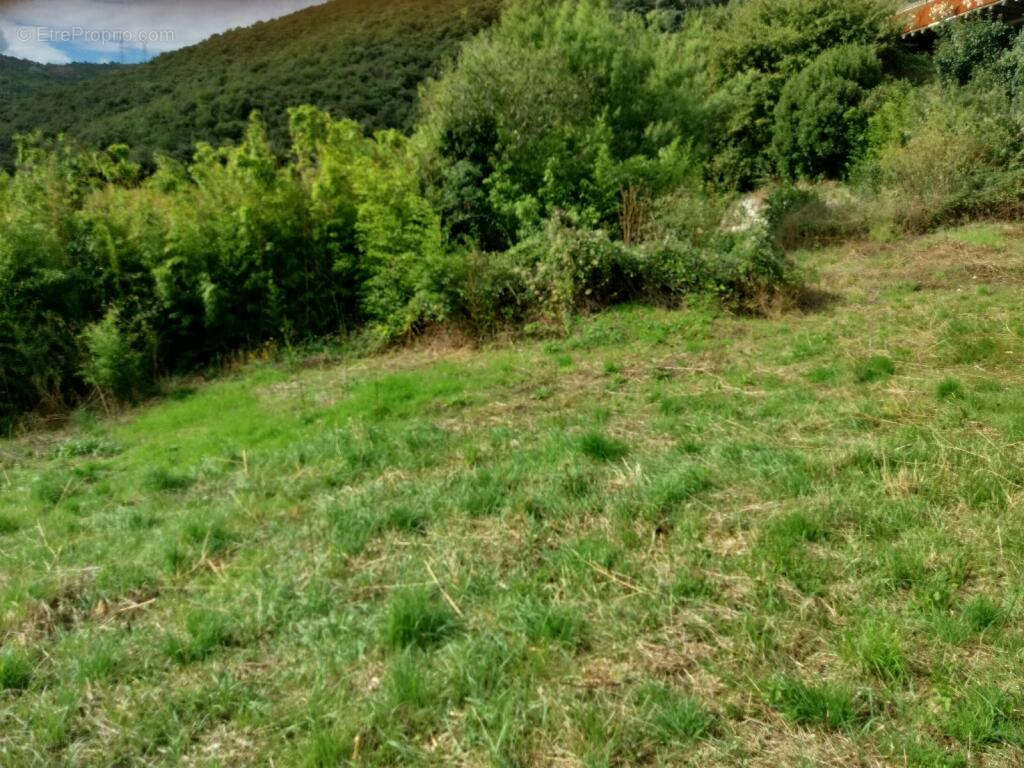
column 59, row 31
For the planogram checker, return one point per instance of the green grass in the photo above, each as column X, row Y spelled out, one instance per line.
column 601, row 448
column 15, row 671
column 667, row 538
column 417, row 618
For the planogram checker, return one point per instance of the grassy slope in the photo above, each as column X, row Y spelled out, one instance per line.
column 670, row 538
column 362, row 59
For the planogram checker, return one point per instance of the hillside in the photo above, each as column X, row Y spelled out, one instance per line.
column 670, row 538
column 362, row 59
column 20, row 78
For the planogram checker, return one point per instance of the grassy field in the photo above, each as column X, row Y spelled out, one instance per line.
column 668, row 538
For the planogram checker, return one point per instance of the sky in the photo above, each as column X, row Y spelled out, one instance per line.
column 129, row 31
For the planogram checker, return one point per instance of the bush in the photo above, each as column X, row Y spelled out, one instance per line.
column 15, row 671
column 753, row 49
column 381, row 231
column 821, row 118
column 564, row 270
column 117, row 359
column 785, row 200
column 945, row 154
column 417, row 618
column 554, row 112
column 809, row 216
column 49, row 284
column 967, row 47
column 105, row 281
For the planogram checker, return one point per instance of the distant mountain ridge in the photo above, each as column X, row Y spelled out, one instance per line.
column 362, row 59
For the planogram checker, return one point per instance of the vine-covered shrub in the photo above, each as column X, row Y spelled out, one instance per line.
column 564, row 270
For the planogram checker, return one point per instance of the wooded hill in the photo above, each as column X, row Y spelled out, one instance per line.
column 362, row 59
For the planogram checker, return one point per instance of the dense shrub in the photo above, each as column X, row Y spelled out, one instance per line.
column 47, row 281
column 799, row 217
column 575, row 155
column 1007, row 72
column 558, row 109
column 753, row 49
column 116, row 360
column 106, row 282
column 968, row 47
column 821, row 116
column 563, row 270
column 939, row 153
column 374, row 221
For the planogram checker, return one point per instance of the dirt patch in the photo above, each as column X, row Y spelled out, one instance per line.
column 75, row 605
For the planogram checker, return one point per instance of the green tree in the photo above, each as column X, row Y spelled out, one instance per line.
column 968, row 47
column 537, row 104
column 821, row 117
column 753, row 48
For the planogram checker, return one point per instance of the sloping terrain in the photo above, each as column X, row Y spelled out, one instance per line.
column 668, row 538
column 362, row 59
column 20, row 78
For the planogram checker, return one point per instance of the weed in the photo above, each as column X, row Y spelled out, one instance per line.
column 418, row 618
column 671, row 490
column 206, row 632
column 8, row 525
column 985, row 714
column 160, row 479
column 950, row 389
column 52, row 487
column 544, row 622
column 875, row 368
column 87, row 445
column 15, row 671
column 983, row 613
column 827, row 705
column 689, row 585
column 674, row 717
column 599, row 447
column 876, row 648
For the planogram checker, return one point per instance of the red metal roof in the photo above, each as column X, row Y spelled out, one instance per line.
column 922, row 15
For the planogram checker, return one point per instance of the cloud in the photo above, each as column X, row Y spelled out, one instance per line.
column 21, row 43
column 96, row 30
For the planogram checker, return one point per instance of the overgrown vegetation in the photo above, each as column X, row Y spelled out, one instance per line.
column 574, row 155
column 505, row 208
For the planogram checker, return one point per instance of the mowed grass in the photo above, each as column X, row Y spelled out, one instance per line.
column 668, row 538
